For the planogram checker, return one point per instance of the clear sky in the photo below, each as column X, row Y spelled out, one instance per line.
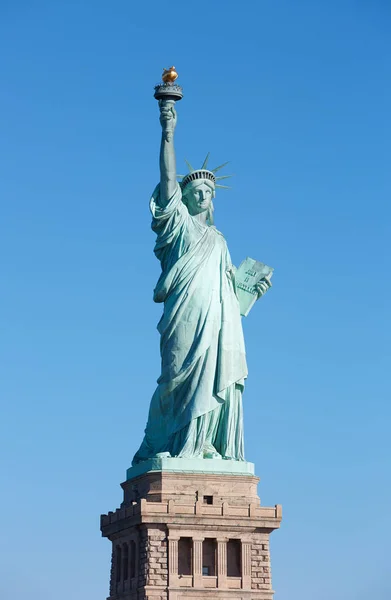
column 297, row 95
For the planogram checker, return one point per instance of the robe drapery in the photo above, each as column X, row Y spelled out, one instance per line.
column 196, row 410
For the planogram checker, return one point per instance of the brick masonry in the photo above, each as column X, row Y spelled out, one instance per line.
column 260, row 565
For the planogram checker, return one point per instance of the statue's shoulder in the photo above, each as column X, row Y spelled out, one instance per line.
column 166, row 208
column 216, row 231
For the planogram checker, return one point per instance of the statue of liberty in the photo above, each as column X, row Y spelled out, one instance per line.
column 196, row 410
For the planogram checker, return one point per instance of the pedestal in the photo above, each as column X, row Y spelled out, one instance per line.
column 191, row 534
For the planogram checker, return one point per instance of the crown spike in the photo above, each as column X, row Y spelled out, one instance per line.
column 189, row 166
column 204, row 164
column 219, row 167
column 203, row 173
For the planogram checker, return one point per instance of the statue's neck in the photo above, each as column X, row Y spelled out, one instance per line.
column 201, row 217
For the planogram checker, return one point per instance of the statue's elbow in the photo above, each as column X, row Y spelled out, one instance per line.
column 158, row 296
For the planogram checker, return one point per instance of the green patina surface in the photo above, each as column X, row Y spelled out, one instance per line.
column 195, row 416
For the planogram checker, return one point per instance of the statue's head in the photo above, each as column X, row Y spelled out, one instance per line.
column 198, row 196
column 198, row 188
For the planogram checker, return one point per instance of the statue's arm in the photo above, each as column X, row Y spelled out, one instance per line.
column 168, row 181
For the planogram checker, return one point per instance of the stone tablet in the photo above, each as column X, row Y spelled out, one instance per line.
column 249, row 273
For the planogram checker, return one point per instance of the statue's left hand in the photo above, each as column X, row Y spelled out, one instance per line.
column 263, row 286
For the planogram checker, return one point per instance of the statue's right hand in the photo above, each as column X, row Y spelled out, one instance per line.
column 168, row 116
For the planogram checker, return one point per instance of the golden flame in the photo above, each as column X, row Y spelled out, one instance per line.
column 169, row 75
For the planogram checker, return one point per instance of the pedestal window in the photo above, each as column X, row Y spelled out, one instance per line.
column 125, row 562
column 185, row 556
column 209, row 547
column 132, row 559
column 234, row 559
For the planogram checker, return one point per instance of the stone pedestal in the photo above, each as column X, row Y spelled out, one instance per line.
column 180, row 535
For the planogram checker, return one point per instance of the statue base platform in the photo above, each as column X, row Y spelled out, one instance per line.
column 190, row 533
column 191, row 465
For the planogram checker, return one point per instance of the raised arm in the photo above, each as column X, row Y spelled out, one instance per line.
column 167, row 153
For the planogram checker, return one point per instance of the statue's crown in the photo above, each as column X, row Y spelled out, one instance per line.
column 203, row 173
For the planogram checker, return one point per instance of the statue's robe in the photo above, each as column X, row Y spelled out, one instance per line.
column 197, row 406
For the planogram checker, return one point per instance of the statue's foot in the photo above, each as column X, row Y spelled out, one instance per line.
column 162, row 455
column 210, row 452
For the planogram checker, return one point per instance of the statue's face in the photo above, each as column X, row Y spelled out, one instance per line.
column 198, row 196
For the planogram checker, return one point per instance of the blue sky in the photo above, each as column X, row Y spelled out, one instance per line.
column 297, row 96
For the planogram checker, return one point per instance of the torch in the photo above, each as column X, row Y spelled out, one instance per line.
column 168, row 92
